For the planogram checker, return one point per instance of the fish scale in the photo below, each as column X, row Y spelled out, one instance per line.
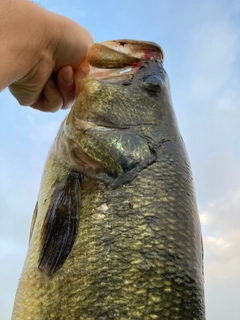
column 137, row 253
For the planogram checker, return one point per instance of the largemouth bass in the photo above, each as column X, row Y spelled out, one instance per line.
column 115, row 232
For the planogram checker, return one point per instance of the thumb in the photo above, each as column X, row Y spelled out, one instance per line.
column 66, row 85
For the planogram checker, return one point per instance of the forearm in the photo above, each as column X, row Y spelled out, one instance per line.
column 23, row 37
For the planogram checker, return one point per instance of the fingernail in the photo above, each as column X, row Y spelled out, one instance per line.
column 68, row 76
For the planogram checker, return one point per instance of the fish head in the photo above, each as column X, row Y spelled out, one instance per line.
column 126, row 86
column 123, row 105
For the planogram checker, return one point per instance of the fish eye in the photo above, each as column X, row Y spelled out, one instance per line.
column 152, row 83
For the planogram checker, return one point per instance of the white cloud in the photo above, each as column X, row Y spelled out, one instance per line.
column 205, row 218
column 212, row 128
column 229, row 101
column 11, row 255
column 221, row 222
column 214, row 135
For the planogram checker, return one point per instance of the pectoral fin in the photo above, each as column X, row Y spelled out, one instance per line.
column 60, row 226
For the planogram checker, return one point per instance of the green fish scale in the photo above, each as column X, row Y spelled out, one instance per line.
column 136, row 253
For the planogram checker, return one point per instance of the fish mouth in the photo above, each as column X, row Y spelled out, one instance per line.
column 122, row 53
column 120, row 58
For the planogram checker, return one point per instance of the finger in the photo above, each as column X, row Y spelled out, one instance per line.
column 66, row 86
column 51, row 98
column 73, row 45
column 81, row 71
column 24, row 93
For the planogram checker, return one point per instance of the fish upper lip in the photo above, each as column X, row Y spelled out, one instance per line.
column 144, row 50
column 111, row 59
column 122, row 53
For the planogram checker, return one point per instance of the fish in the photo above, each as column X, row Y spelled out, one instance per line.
column 115, row 232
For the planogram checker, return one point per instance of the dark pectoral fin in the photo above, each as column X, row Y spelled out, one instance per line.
column 60, row 226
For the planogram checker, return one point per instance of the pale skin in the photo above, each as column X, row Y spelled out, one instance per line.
column 41, row 55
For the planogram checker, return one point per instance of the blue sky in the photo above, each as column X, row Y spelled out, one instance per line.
column 201, row 42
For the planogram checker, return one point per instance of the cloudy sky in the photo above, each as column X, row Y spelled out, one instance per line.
column 201, row 41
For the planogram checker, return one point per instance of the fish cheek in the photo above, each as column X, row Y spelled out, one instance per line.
column 60, row 225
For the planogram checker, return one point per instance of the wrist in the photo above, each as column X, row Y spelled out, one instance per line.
column 38, row 42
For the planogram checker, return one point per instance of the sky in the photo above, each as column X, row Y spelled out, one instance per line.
column 201, row 42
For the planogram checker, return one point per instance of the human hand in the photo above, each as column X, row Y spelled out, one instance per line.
column 46, row 82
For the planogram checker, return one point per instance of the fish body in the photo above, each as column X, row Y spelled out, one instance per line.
column 116, row 232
